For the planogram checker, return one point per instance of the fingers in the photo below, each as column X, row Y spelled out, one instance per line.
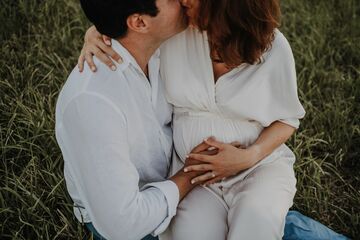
column 104, row 53
column 81, row 61
column 100, row 46
column 89, row 60
column 106, row 39
column 98, row 52
column 200, row 148
column 204, row 177
column 212, row 181
column 105, row 59
column 214, row 143
column 190, row 161
column 114, row 55
column 210, row 152
column 107, row 51
column 200, row 168
column 202, row 158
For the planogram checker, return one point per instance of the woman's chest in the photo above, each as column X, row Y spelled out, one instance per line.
column 193, row 81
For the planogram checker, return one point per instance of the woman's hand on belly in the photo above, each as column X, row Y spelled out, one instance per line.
column 228, row 159
column 204, row 149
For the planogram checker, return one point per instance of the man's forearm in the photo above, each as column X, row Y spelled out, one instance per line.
column 183, row 182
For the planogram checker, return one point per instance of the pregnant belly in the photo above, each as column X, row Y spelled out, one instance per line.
column 190, row 130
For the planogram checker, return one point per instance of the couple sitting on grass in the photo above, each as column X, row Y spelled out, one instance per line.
column 217, row 80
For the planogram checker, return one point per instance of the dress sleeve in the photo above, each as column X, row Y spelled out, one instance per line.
column 294, row 122
column 106, row 178
column 279, row 98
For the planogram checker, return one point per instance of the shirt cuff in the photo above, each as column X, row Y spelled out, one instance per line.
column 171, row 192
column 294, row 122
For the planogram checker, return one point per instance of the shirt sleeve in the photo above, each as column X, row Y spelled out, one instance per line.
column 171, row 193
column 107, row 180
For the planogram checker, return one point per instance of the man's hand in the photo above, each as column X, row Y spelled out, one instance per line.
column 183, row 179
column 210, row 173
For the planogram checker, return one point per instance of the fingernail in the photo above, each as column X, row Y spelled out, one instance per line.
column 113, row 68
column 185, row 170
column 93, row 69
column 193, row 181
column 120, row 61
column 107, row 42
column 187, row 156
column 205, row 139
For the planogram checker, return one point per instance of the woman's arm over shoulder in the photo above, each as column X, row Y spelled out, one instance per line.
column 97, row 45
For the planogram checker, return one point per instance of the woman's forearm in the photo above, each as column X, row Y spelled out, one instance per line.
column 270, row 139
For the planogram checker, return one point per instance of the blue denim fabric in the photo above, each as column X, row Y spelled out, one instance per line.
column 300, row 227
column 97, row 235
column 297, row 227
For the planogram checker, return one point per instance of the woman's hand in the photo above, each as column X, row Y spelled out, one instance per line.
column 229, row 160
column 204, row 149
column 100, row 46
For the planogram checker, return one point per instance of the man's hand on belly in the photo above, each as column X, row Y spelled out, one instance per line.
column 227, row 159
column 183, row 179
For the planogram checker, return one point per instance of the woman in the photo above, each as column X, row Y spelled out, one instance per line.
column 231, row 76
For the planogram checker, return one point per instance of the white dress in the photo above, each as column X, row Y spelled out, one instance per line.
column 235, row 108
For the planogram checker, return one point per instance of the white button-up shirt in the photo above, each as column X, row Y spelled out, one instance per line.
column 113, row 128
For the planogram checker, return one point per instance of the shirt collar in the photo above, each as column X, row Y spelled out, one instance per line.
column 127, row 58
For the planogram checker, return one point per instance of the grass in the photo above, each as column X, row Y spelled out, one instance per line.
column 40, row 41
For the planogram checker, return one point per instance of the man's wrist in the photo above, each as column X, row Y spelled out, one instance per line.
column 183, row 182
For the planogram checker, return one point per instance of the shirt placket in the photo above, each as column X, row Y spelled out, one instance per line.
column 152, row 93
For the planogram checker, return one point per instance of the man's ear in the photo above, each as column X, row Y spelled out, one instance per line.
column 138, row 23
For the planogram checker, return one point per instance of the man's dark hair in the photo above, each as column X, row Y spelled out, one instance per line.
column 109, row 16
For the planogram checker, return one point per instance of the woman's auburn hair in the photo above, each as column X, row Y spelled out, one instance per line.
column 239, row 31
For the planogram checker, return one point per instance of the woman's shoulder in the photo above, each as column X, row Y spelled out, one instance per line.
column 280, row 47
column 280, row 40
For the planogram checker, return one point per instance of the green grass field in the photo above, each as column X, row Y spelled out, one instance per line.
column 40, row 41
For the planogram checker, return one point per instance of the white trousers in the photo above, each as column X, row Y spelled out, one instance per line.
column 253, row 208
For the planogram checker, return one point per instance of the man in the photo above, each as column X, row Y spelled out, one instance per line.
column 113, row 127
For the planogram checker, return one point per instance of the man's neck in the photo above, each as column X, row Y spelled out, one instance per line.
column 141, row 49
